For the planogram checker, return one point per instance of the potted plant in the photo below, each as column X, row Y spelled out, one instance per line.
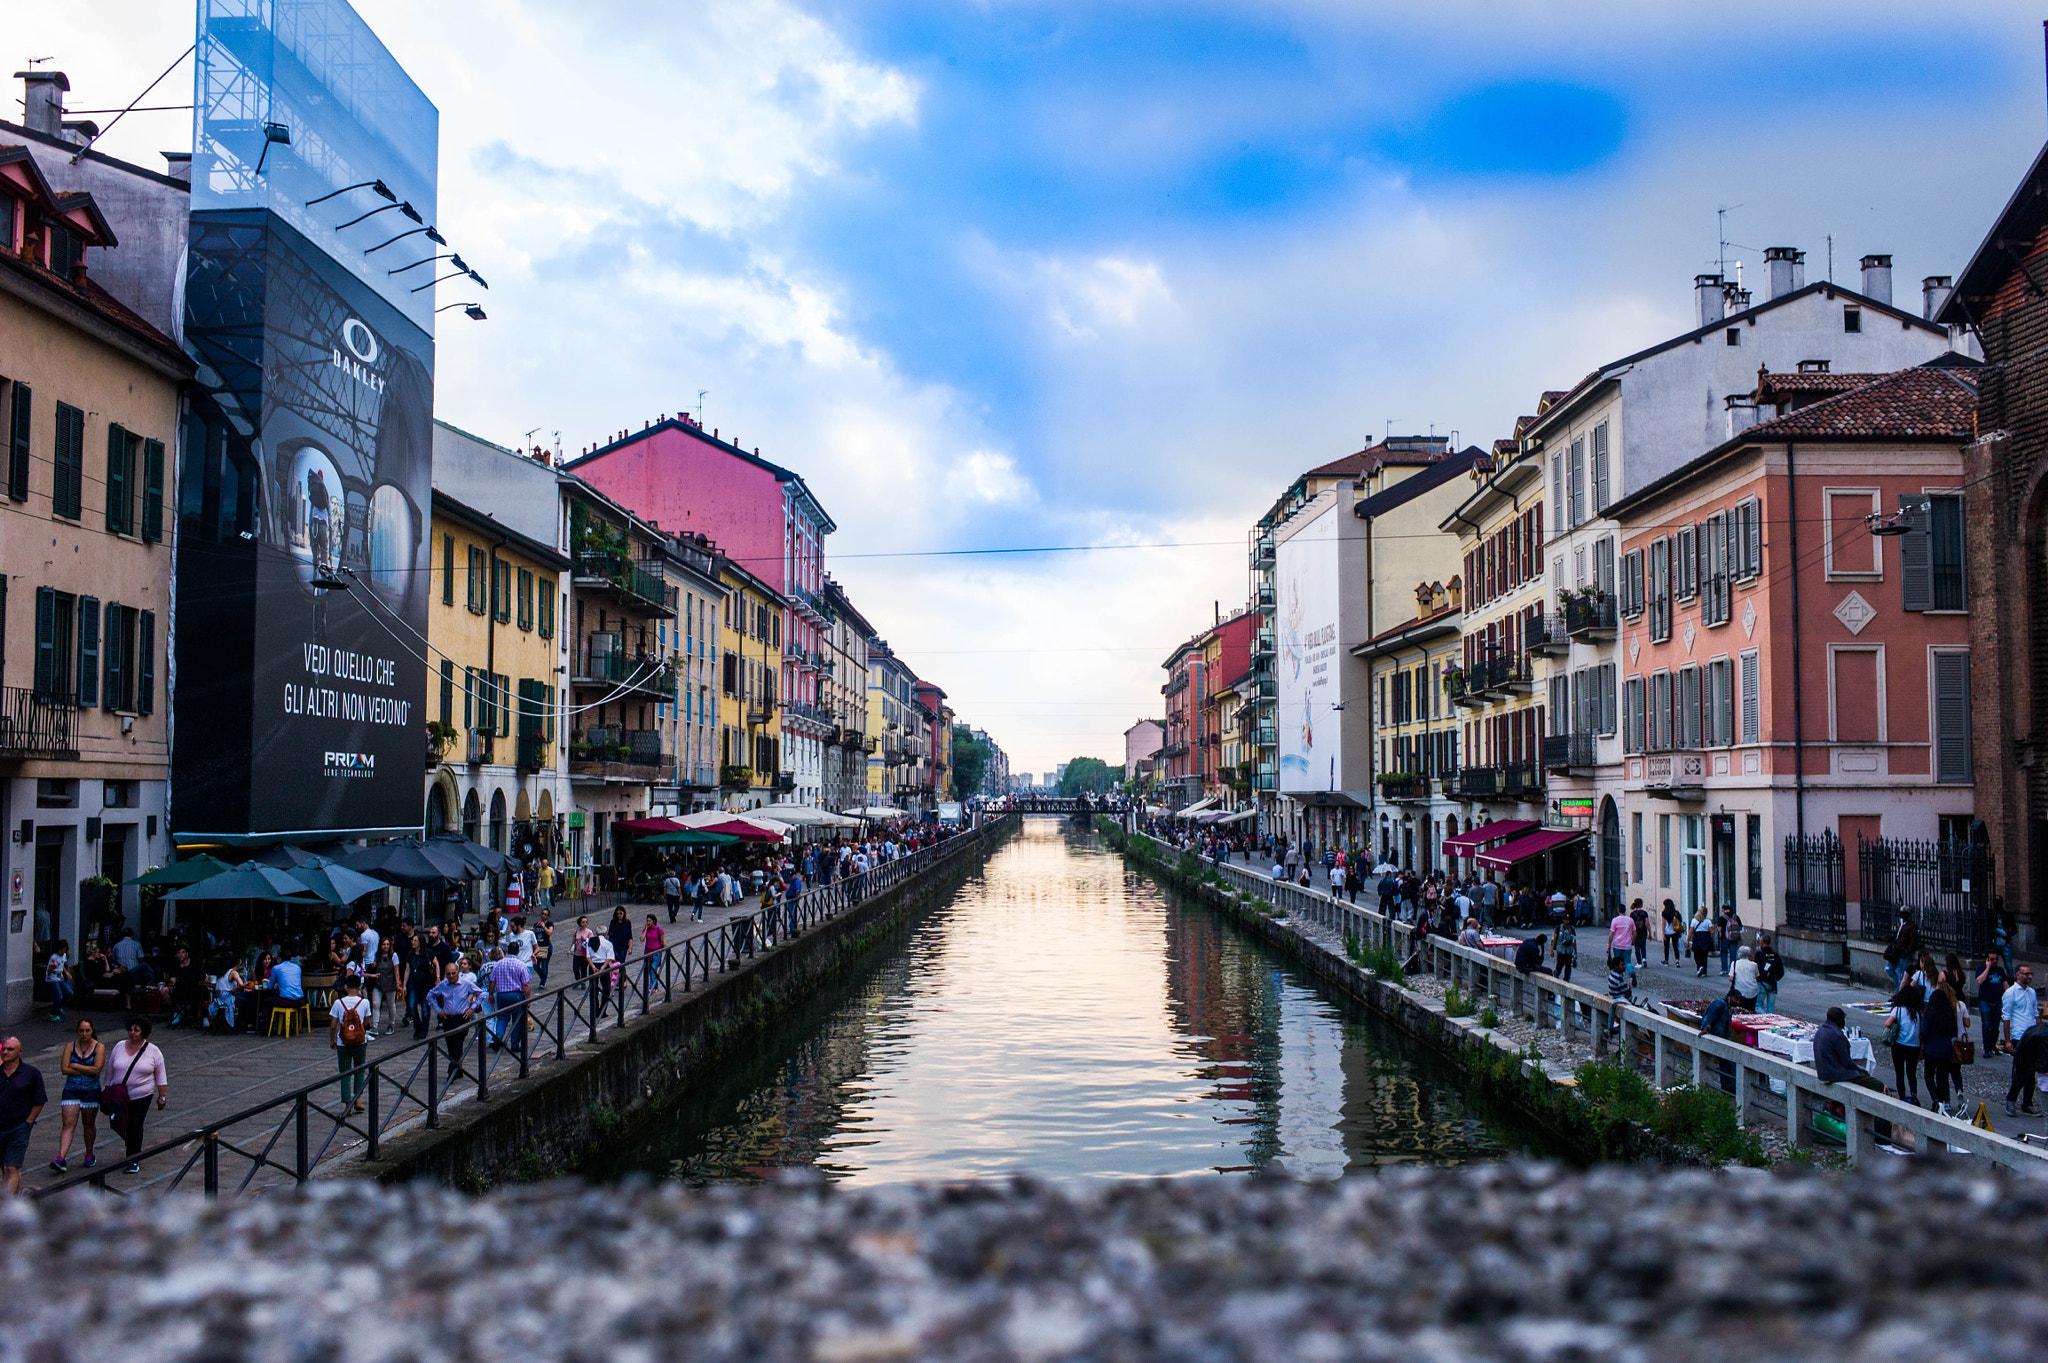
column 440, row 738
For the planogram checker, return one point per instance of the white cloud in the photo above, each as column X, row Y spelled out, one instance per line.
column 989, row 478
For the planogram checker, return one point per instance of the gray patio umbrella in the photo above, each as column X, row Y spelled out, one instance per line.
column 410, row 864
column 250, row 880
column 480, row 859
column 335, row 883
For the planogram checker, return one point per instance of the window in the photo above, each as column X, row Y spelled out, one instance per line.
column 1931, row 553
column 1756, row 856
column 1664, row 850
column 1751, row 720
column 1735, row 336
column 1632, row 715
column 1714, row 555
column 56, row 792
column 1603, row 566
column 1685, row 564
column 1850, row 550
column 1660, row 590
column 1577, row 489
column 1687, row 719
column 501, row 591
column 545, row 625
column 1558, row 524
column 477, row 563
column 1952, row 718
column 1635, row 866
column 1660, row 730
column 118, row 794
column 145, row 662
column 17, row 444
column 526, row 599
column 127, row 650
column 1601, row 469
column 88, row 650
column 448, row 668
column 1719, row 704
column 1606, row 675
column 1632, row 583
column 55, row 618
column 447, row 570
column 66, row 482
column 152, row 491
column 121, row 452
column 1852, row 319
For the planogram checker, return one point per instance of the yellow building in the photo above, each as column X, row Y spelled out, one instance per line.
column 749, row 709
column 892, row 760
column 494, row 626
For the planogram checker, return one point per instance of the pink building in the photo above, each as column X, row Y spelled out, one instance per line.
column 686, row 480
column 1796, row 687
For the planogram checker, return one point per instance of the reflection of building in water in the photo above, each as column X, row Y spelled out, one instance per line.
column 1220, row 999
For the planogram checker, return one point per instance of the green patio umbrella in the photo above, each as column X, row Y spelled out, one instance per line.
column 185, row 872
column 250, row 880
column 686, row 837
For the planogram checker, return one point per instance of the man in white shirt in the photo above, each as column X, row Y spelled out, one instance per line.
column 600, row 953
column 524, row 940
column 369, row 937
column 2018, row 1009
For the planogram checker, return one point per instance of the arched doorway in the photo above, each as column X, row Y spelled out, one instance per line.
column 1610, row 858
column 497, row 842
column 438, row 817
column 472, row 816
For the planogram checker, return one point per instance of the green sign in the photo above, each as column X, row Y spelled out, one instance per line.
column 575, row 818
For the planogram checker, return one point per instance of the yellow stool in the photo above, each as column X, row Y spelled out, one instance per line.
column 296, row 1018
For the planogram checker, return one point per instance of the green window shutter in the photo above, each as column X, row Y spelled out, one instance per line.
column 1916, row 559
column 69, row 460
column 153, row 491
column 113, row 646
column 469, row 698
column 46, row 642
column 145, row 662
column 448, row 690
column 447, row 570
column 117, row 479
column 18, row 445
column 88, row 650
column 1952, row 718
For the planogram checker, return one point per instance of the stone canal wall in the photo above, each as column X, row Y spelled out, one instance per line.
column 600, row 1093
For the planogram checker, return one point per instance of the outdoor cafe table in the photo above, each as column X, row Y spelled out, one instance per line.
column 1794, row 1041
column 1503, row 947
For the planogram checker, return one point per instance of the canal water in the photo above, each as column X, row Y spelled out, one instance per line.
column 1063, row 1017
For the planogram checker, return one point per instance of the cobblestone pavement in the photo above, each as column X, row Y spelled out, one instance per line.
column 1516, row 1263
column 213, row 1076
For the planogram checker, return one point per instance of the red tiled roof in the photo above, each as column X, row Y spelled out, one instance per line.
column 1371, row 457
column 1932, row 401
column 1806, row 380
column 98, row 300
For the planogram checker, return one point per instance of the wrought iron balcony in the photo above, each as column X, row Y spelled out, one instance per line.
column 638, row 583
column 1547, row 636
column 1569, row 752
column 1590, row 617
column 35, row 726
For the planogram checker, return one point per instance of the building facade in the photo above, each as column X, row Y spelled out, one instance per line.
column 844, row 695
column 750, row 762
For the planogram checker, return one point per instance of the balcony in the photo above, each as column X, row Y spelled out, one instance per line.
column 811, row 604
column 785, row 781
column 630, row 756
column 1265, row 736
column 1404, row 787
column 1262, row 644
column 1500, row 678
column 637, row 583
column 1521, row 783
column 1476, row 783
column 35, row 726
column 1264, row 598
column 733, row 777
column 1590, row 617
column 1262, row 552
column 1547, row 636
column 606, row 662
column 1458, row 687
column 481, row 747
column 1569, row 752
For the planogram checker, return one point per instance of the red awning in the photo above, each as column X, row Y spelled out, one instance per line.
column 654, row 825
column 1472, row 839
column 1529, row 845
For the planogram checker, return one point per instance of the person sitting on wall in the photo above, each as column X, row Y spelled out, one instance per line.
column 1529, row 956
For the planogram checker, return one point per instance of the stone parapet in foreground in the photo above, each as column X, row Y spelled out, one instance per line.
column 1487, row 1262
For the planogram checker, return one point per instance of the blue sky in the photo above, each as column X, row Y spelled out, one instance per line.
column 1012, row 274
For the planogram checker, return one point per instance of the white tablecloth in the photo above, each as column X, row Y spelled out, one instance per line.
column 1799, row 1048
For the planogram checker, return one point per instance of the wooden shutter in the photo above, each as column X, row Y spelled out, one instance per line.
column 1600, row 468
column 152, row 491
column 88, row 650
column 448, row 682
column 1558, row 525
column 1916, row 554
column 69, row 459
column 113, row 641
column 17, row 444
column 1608, row 673
column 46, row 642
column 1751, row 717
column 1952, row 717
column 447, row 571
column 145, row 662
column 118, row 480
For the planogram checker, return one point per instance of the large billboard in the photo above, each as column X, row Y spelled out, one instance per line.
column 1310, row 739
column 305, row 484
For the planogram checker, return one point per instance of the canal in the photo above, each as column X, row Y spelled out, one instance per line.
column 1064, row 1017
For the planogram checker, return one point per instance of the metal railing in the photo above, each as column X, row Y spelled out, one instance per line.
column 1947, row 885
column 1814, row 891
column 34, row 726
column 289, row 1136
column 1562, row 752
column 1668, row 1050
column 1589, row 614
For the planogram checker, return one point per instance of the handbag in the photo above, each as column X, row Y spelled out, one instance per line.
column 1966, row 1050
column 114, row 1101
column 1891, row 1032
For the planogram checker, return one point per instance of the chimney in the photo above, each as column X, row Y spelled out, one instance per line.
column 1741, row 413
column 45, row 101
column 1934, row 292
column 1710, row 303
column 1787, row 269
column 178, row 165
column 1877, row 279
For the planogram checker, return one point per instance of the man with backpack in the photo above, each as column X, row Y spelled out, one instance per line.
column 1770, row 969
column 348, row 1022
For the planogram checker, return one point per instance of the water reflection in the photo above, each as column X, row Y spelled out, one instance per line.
column 1061, row 1017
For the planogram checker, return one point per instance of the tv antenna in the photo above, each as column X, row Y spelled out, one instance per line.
column 702, row 393
column 1721, row 221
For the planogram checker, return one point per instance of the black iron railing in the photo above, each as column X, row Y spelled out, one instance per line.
column 289, row 1136
column 35, row 726
column 1946, row 885
column 1588, row 614
column 1562, row 752
column 1815, row 897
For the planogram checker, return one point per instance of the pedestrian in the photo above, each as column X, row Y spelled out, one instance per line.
column 1674, row 935
column 1991, row 984
column 137, row 1064
column 22, row 1099
column 78, row 1103
column 544, row 884
column 1641, row 916
column 655, row 942
column 348, row 1023
column 57, row 975
column 1900, row 951
column 600, row 957
column 1621, row 940
column 1832, row 1061
column 1702, row 940
column 543, row 945
column 2029, row 1058
column 672, row 892
column 1730, row 939
column 1902, row 1034
column 510, row 981
column 1564, row 949
column 2018, row 1008
column 1770, row 972
column 1938, row 1028
column 1742, row 980
column 453, row 1001
column 620, row 930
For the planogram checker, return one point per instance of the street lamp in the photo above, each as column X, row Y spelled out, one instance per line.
column 274, row 135
column 377, row 185
column 446, row 277
column 469, row 310
column 402, row 206
column 455, row 256
column 433, row 234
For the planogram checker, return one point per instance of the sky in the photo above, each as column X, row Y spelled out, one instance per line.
column 1021, row 275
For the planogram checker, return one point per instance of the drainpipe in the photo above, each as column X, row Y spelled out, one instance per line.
column 1798, row 710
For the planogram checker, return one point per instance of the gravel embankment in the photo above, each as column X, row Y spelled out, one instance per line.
column 1487, row 1262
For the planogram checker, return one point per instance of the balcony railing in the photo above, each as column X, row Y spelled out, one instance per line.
column 1567, row 752
column 1476, row 783
column 1262, row 645
column 638, row 581
column 617, row 667
column 1264, row 597
column 34, row 726
column 1406, row 786
column 1590, row 617
column 1547, row 635
column 1262, row 551
column 1521, row 783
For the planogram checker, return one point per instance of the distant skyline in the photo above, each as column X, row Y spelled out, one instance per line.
column 1048, row 274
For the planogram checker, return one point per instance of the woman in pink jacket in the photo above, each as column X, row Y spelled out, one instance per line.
column 135, row 1067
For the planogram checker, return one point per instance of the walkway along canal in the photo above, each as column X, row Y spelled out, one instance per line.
column 1063, row 1016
